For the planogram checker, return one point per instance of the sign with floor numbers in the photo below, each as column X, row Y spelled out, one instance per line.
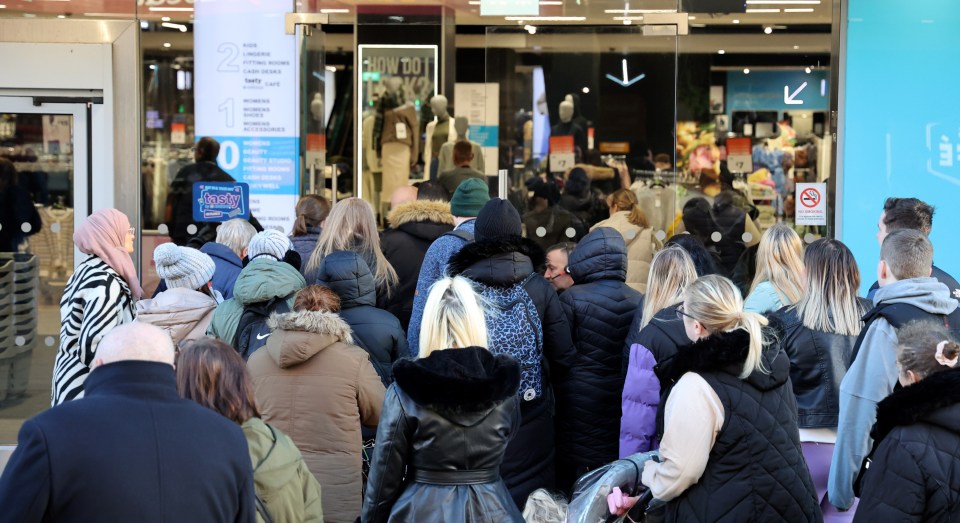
column 811, row 205
column 246, row 98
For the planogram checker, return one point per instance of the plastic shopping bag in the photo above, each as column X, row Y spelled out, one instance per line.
column 589, row 504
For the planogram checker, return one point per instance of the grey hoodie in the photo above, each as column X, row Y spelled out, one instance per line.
column 872, row 377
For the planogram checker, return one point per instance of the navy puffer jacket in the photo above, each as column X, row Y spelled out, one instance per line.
column 374, row 330
column 599, row 309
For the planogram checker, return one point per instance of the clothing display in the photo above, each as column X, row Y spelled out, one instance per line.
column 658, row 203
column 571, row 129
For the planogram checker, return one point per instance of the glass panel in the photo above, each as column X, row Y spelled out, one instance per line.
column 36, row 257
column 599, row 102
column 396, row 83
column 316, row 177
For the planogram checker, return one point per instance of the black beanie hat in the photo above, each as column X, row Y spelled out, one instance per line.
column 498, row 219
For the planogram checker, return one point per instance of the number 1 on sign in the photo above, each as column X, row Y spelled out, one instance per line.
column 227, row 107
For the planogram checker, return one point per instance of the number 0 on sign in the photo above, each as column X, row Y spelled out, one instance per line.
column 812, row 208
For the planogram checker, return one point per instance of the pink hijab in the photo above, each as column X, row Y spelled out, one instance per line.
column 104, row 234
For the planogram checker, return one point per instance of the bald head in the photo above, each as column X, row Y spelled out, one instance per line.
column 135, row 341
column 402, row 194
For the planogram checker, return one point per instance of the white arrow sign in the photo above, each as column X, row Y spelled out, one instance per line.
column 788, row 98
column 626, row 81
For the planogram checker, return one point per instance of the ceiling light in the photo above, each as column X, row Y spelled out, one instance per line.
column 167, row 44
column 803, row 10
column 2, row 6
column 746, row 71
column 474, row 2
column 768, row 30
column 532, row 29
column 61, row 16
column 334, row 11
column 807, row 70
column 586, row 90
column 638, row 11
column 736, row 21
column 172, row 9
column 627, row 22
column 331, row 68
column 170, row 25
column 721, row 51
column 628, row 18
column 796, row 47
column 691, row 18
column 763, row 10
column 153, row 67
column 546, row 18
column 144, row 25
column 165, row 19
column 783, row 2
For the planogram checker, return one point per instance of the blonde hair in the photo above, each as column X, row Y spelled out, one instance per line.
column 671, row 271
column 542, row 506
column 453, row 317
column 830, row 302
column 780, row 262
column 626, row 200
column 351, row 226
column 715, row 302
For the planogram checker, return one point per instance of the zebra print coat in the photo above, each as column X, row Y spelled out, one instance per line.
column 95, row 300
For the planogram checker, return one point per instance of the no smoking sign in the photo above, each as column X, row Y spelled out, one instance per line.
column 813, row 204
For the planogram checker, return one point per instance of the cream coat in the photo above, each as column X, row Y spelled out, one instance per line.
column 641, row 246
column 315, row 386
column 182, row 313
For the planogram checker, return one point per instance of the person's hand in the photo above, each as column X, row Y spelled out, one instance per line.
column 620, row 503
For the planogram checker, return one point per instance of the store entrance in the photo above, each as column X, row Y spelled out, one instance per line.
column 45, row 191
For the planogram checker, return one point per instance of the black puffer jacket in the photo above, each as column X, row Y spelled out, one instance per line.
column 413, row 227
column 557, row 225
column 914, row 472
column 756, row 470
column 305, row 245
column 446, row 422
column 818, row 363
column 599, row 308
column 374, row 330
column 528, row 464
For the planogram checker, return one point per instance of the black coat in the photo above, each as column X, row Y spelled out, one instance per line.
column 528, row 464
column 305, row 245
column 413, row 227
column 447, row 420
column 556, row 223
column 599, row 309
column 130, row 450
column 16, row 209
column 818, row 363
column 756, row 470
column 374, row 330
column 914, row 472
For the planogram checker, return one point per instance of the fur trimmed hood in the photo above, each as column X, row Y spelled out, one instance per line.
column 499, row 263
column 298, row 336
column 727, row 352
column 420, row 211
column 469, row 380
column 929, row 400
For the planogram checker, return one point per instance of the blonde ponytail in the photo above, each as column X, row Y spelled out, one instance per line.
column 716, row 303
column 453, row 317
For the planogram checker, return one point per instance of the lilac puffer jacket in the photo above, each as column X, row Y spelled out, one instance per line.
column 649, row 353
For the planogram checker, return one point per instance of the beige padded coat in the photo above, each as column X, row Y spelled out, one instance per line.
column 183, row 313
column 315, row 386
column 641, row 246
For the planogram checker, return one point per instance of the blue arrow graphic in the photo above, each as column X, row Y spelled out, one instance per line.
column 626, row 81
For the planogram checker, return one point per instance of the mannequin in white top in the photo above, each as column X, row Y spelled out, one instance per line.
column 462, row 128
column 439, row 132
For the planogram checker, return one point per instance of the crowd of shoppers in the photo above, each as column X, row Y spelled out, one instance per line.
column 451, row 367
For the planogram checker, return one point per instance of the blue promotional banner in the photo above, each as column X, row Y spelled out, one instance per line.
column 901, row 123
column 246, row 99
column 219, row 202
column 778, row 91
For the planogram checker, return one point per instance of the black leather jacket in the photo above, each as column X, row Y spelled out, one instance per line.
column 445, row 424
column 818, row 363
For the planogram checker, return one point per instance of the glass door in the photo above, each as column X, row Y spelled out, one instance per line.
column 45, row 192
column 333, row 180
column 588, row 111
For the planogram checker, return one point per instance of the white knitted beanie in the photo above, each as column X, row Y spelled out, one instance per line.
column 269, row 242
column 183, row 267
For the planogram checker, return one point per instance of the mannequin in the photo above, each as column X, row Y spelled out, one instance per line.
column 566, row 127
column 445, row 160
column 372, row 172
column 439, row 132
column 396, row 136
